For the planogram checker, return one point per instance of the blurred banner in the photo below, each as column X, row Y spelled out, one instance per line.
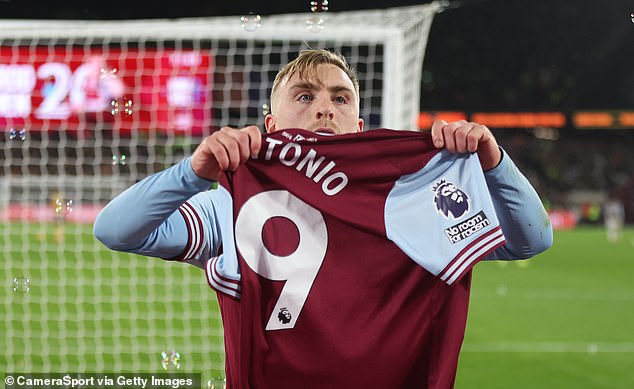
column 81, row 87
column 563, row 219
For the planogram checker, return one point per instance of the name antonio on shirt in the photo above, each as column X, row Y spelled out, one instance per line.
column 308, row 162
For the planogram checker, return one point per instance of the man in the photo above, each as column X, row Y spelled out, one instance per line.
column 330, row 270
column 614, row 217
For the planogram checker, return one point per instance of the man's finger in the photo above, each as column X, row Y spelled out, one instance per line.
column 461, row 135
column 449, row 136
column 436, row 133
column 255, row 140
column 231, row 147
column 474, row 137
column 238, row 141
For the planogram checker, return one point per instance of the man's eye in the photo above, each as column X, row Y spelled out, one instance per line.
column 340, row 99
column 305, row 98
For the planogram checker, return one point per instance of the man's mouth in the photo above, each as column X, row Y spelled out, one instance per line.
column 325, row 130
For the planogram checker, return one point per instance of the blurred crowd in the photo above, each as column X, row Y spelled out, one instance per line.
column 577, row 171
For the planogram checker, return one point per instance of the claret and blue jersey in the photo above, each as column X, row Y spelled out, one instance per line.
column 340, row 261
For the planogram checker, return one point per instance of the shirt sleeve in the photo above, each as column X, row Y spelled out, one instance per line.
column 442, row 216
column 169, row 215
column 523, row 219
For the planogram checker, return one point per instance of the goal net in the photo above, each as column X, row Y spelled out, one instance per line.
column 89, row 107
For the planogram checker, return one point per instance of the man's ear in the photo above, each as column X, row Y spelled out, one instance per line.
column 270, row 123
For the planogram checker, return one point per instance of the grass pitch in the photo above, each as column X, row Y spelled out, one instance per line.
column 564, row 319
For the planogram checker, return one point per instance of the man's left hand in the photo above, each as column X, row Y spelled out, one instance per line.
column 467, row 137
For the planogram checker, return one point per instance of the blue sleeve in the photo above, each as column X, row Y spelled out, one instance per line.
column 442, row 216
column 167, row 215
column 523, row 219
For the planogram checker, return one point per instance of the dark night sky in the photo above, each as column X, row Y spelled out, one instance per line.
column 482, row 54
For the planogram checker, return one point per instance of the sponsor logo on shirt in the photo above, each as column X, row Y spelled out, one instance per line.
column 466, row 228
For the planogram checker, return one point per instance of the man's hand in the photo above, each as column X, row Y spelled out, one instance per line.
column 466, row 137
column 224, row 150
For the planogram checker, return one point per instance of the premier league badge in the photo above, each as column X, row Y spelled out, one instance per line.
column 449, row 200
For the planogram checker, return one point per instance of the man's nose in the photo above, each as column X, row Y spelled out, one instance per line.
column 324, row 109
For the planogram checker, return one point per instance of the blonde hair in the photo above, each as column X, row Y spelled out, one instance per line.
column 305, row 66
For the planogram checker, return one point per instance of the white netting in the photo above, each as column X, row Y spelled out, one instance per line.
column 88, row 108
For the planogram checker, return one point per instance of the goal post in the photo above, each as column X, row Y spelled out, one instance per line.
column 89, row 107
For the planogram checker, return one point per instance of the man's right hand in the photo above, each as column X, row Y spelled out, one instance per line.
column 224, row 150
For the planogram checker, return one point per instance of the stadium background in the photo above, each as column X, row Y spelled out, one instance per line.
column 490, row 56
column 564, row 319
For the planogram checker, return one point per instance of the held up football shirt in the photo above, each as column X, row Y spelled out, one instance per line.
column 346, row 260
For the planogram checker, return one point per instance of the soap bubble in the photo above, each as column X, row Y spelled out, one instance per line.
column 114, row 107
column 319, row 6
column 21, row 285
column 315, row 23
column 250, row 23
column 15, row 134
column 122, row 106
column 176, row 359
column 119, row 159
column 109, row 84
column 127, row 106
column 165, row 359
column 63, row 207
column 170, row 359
column 217, row 383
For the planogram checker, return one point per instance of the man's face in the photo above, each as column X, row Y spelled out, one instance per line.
column 327, row 103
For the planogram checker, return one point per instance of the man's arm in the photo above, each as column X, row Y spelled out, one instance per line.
column 145, row 219
column 523, row 219
column 152, row 217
